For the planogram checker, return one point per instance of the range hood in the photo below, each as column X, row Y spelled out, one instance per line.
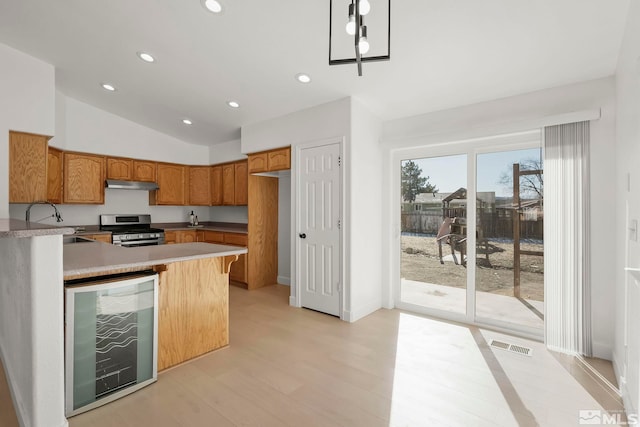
column 131, row 185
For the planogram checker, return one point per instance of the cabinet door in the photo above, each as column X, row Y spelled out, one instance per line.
column 257, row 162
column 27, row 167
column 83, row 178
column 172, row 180
column 236, row 239
column 228, row 184
column 213, row 236
column 54, row 175
column 169, row 237
column 216, row 185
column 118, row 168
column 241, row 181
column 279, row 159
column 186, row 236
column 144, row 171
column 199, row 186
column 238, row 270
column 103, row 237
column 200, row 236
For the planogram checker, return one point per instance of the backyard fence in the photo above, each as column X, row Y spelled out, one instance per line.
column 494, row 225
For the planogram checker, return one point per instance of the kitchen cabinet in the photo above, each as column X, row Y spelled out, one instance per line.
column 144, row 170
column 119, row 168
column 216, row 185
column 262, row 268
column 199, row 185
column 54, row 175
column 83, row 178
column 199, row 236
column 238, row 271
column 101, row 237
column 234, row 184
column 185, row 236
column 27, row 167
column 172, row 180
column 270, row 161
column 279, row 159
column 228, row 185
column 170, row 237
column 240, row 185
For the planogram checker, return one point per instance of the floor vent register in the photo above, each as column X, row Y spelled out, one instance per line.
column 513, row 348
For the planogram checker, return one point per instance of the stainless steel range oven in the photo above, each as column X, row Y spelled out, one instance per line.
column 131, row 230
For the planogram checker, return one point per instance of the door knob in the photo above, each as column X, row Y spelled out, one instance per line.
column 302, row 235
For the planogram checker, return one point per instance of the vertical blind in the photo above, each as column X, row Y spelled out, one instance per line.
column 566, row 223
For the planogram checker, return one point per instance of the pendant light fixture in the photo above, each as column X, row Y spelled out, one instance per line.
column 356, row 32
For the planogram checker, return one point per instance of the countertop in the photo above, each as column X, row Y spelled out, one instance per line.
column 17, row 228
column 225, row 227
column 97, row 257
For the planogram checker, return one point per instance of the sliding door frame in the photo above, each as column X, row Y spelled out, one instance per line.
column 470, row 148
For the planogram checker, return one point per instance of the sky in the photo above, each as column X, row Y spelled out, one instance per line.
column 449, row 173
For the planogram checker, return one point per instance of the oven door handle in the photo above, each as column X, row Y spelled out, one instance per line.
column 139, row 242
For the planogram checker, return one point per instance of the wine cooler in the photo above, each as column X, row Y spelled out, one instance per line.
column 110, row 339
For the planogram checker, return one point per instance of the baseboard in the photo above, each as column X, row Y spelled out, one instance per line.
column 601, row 351
column 292, row 302
column 283, row 280
column 361, row 311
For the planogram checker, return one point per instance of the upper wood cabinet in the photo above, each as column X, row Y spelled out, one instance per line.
column 241, row 178
column 199, row 185
column 279, row 159
column 131, row 169
column 172, row 180
column 216, row 185
column 27, row 167
column 258, row 162
column 270, row 161
column 84, row 176
column 118, row 168
column 228, row 184
column 144, row 170
column 54, row 175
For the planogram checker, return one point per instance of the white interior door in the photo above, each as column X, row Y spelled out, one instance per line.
column 319, row 196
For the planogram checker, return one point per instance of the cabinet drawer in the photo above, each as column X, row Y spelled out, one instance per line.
column 235, row 239
column 213, row 236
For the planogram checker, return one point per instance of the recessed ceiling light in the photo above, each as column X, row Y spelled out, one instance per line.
column 107, row 86
column 303, row 78
column 187, row 122
column 233, row 104
column 212, row 5
column 146, row 57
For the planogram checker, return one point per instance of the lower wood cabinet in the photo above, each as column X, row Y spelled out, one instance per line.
column 238, row 272
column 102, row 237
column 170, row 237
column 193, row 314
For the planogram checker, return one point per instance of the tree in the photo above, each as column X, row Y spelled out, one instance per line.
column 531, row 186
column 413, row 183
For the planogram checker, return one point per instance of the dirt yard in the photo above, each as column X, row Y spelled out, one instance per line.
column 420, row 262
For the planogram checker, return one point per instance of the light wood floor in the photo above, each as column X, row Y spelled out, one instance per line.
column 296, row 367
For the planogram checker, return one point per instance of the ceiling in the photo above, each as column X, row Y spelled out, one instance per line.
column 443, row 54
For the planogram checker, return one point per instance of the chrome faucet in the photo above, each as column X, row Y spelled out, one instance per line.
column 57, row 214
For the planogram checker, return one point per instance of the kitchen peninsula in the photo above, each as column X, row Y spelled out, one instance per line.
column 193, row 301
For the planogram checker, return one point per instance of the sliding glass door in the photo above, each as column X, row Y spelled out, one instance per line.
column 433, row 233
column 509, row 262
column 471, row 235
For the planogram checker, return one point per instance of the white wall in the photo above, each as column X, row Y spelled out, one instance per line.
column 27, row 99
column 365, row 212
column 627, row 186
column 525, row 112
